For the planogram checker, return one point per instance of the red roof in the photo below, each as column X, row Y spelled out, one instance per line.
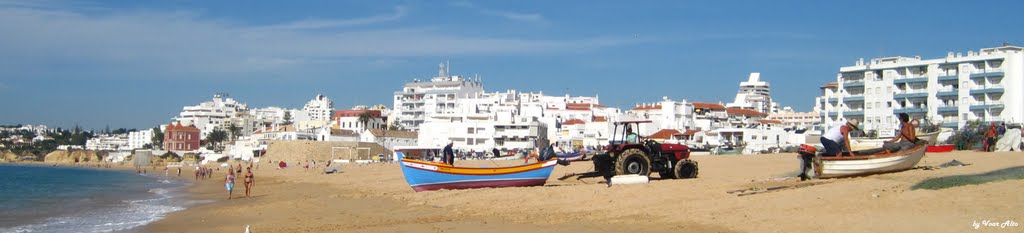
column 773, row 122
column 664, row 134
column 690, row 132
column 355, row 113
column 745, row 112
column 578, row 106
column 573, row 122
column 831, row 84
column 600, row 119
column 710, row 106
column 179, row 127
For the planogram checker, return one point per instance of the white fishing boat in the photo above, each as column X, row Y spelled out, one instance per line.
column 868, row 162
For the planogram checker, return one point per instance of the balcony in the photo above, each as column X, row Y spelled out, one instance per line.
column 853, row 84
column 984, row 106
column 853, row 98
column 910, row 110
column 952, row 124
column 854, row 112
column 949, row 108
column 911, row 94
column 947, row 92
column 988, row 73
column 989, row 89
column 948, row 77
column 833, row 100
column 910, row 80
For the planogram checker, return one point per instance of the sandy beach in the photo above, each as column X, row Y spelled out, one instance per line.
column 376, row 198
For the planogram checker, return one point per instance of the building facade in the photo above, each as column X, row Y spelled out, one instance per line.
column 319, row 108
column 139, row 139
column 219, row 113
column 419, row 100
column 754, row 94
column 987, row 85
column 178, row 137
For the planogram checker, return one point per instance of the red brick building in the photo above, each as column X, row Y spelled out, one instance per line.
column 181, row 138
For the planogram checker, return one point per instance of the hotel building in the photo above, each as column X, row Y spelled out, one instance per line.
column 419, row 100
column 987, row 85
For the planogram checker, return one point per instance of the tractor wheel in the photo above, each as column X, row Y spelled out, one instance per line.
column 633, row 161
column 685, row 169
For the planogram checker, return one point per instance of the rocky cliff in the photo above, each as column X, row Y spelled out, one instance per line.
column 74, row 156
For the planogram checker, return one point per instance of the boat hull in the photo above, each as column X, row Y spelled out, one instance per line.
column 575, row 156
column 427, row 176
column 833, row 167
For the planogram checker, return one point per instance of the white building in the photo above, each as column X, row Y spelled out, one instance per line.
column 987, row 85
column 389, row 138
column 138, row 139
column 793, row 119
column 268, row 116
column 349, row 120
column 754, row 94
column 107, row 142
column 319, row 108
column 419, row 100
column 220, row 112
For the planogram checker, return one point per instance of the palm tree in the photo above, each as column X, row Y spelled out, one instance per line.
column 216, row 137
column 234, row 130
column 365, row 118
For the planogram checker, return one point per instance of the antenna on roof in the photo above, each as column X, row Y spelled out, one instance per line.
column 1006, row 43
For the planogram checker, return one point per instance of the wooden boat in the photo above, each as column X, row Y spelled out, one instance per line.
column 868, row 162
column 427, row 176
column 571, row 156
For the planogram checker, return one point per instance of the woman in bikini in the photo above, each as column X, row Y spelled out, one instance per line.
column 249, row 181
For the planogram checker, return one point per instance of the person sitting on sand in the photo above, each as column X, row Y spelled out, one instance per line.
column 906, row 137
column 229, row 182
column 836, row 138
column 249, row 181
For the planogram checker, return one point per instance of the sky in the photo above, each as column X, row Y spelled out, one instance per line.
column 135, row 64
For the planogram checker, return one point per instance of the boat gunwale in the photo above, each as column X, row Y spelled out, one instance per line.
column 875, row 156
column 480, row 171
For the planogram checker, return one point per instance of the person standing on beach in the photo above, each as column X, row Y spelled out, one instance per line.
column 249, row 181
column 179, row 171
column 229, row 182
column 449, row 156
column 990, row 138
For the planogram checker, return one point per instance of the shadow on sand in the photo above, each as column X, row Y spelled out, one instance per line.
column 1012, row 173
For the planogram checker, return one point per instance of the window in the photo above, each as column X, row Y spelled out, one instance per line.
column 469, row 130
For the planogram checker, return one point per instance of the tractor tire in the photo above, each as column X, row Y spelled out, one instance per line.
column 633, row 161
column 685, row 169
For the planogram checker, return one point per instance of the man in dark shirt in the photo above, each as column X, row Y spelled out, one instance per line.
column 495, row 152
column 449, row 155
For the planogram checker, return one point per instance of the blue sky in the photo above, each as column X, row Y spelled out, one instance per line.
column 136, row 63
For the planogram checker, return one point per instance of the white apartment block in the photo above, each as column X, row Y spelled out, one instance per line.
column 108, row 143
column 793, row 119
column 987, row 85
column 349, row 120
column 667, row 114
column 220, row 112
column 754, row 94
column 319, row 108
column 138, row 139
column 418, row 100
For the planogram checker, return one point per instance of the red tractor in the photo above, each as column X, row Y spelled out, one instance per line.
column 628, row 153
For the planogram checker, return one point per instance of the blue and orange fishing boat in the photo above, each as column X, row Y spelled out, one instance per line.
column 424, row 175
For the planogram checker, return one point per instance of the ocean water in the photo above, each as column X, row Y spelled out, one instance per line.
column 67, row 199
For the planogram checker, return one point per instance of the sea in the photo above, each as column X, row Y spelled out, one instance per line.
column 73, row 199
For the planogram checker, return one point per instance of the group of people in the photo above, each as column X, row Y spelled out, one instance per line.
column 837, row 139
column 203, row 172
column 229, row 181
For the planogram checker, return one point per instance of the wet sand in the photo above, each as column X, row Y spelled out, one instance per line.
column 376, row 198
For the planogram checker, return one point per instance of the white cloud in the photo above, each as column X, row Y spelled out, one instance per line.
column 515, row 16
column 400, row 11
column 181, row 43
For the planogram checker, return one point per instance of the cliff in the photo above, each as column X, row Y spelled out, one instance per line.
column 74, row 156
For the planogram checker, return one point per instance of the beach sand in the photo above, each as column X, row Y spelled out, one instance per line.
column 376, row 198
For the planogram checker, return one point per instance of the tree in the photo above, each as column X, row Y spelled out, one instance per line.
column 287, row 117
column 234, row 130
column 158, row 138
column 216, row 137
column 365, row 118
column 395, row 126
